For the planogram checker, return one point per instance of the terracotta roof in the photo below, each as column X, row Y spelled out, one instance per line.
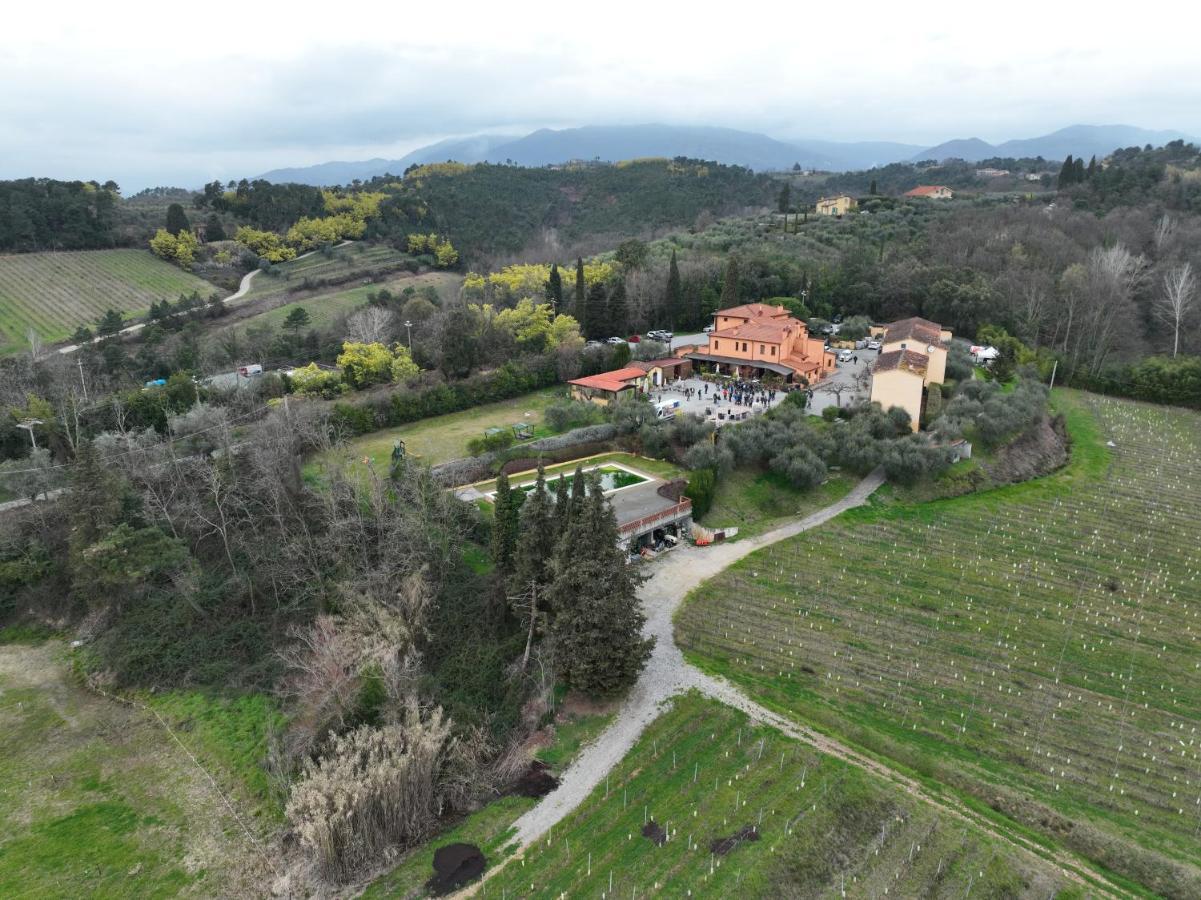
column 609, row 381
column 669, row 363
column 760, row 330
column 753, row 311
column 902, row 360
column 835, row 197
column 925, row 190
column 921, row 329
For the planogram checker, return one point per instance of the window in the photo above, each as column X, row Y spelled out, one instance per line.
column 761, row 348
column 716, row 344
column 773, row 350
column 744, row 350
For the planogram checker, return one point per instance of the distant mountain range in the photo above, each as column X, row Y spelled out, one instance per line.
column 726, row 145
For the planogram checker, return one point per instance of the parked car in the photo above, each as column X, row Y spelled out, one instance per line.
column 845, row 356
column 707, row 329
column 247, row 371
column 616, row 340
column 873, row 344
column 661, row 336
column 634, row 339
column 594, row 343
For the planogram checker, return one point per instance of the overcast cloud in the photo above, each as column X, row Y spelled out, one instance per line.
column 154, row 93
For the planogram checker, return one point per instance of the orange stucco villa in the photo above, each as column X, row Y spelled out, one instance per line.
column 755, row 340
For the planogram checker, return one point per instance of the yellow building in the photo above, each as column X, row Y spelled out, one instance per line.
column 913, row 356
column 836, row 206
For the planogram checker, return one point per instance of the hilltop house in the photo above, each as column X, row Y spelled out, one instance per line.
column 756, row 340
column 931, row 192
column 836, row 206
column 913, row 356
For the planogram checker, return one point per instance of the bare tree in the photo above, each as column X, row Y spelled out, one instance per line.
column 1176, row 302
column 371, row 324
column 837, row 388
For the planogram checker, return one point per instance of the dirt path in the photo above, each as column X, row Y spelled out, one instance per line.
column 668, row 674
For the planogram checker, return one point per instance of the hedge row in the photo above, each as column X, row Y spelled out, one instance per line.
column 555, row 449
column 420, row 402
column 1157, row 379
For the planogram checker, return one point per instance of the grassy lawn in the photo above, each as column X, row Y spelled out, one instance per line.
column 54, row 293
column 325, row 306
column 1034, row 646
column 756, row 502
column 441, row 438
column 97, row 800
column 703, row 773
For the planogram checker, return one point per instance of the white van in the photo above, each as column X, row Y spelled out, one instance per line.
column 668, row 409
column 247, row 371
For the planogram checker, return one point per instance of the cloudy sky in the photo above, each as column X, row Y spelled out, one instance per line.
column 179, row 93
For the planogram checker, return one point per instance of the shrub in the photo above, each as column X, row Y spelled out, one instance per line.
column 830, row 413
column 572, row 414
column 801, row 466
column 797, row 399
column 717, row 457
column 909, row 460
column 375, row 789
column 702, row 484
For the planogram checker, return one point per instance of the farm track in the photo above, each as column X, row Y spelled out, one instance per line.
column 669, row 674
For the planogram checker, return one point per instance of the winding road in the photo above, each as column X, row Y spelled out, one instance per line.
column 668, row 674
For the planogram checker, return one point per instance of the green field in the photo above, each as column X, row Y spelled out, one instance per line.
column 323, row 308
column 1035, row 647
column 359, row 261
column 442, row 438
column 755, row 502
column 823, row 828
column 97, row 800
column 54, row 293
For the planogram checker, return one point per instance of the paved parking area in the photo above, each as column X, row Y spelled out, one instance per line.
column 707, row 404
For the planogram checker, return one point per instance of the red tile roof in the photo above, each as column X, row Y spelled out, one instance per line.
column 616, row 380
column 903, row 360
column 669, row 363
column 753, row 311
column 919, row 329
column 771, row 331
column 925, row 190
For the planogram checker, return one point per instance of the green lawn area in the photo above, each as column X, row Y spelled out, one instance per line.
column 55, row 292
column 1033, row 646
column 756, row 502
column 324, row 307
column 442, row 438
column 97, row 800
column 703, row 773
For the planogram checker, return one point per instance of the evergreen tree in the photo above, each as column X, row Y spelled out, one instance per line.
column 554, row 288
column 729, row 286
column 1066, row 172
column 1092, row 168
column 109, row 323
column 784, row 202
column 575, row 505
column 213, row 229
column 872, row 188
column 94, row 500
column 504, row 527
column 536, row 539
column 1078, row 171
column 297, row 319
column 579, row 309
column 597, row 631
column 177, row 219
column 595, row 320
column 675, row 295
column 618, row 312
column 562, row 505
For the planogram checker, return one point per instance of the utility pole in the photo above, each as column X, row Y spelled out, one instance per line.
column 1054, row 368
column 409, row 331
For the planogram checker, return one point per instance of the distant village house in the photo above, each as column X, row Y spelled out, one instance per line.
column 836, row 206
column 931, row 192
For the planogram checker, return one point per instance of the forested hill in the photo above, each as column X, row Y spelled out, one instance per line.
column 493, row 210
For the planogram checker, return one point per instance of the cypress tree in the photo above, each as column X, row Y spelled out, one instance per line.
column 872, row 188
column 562, row 505
column 504, row 527
column 1066, row 171
column 213, row 229
column 597, row 629
column 618, row 310
column 554, row 288
column 729, row 286
column 785, row 198
column 675, row 294
column 1078, row 171
column 595, row 319
column 579, row 289
column 536, row 539
column 1092, row 168
column 177, row 220
column 576, row 505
